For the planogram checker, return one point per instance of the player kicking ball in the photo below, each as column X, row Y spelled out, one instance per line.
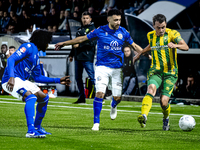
column 163, row 72
column 20, row 65
column 110, row 41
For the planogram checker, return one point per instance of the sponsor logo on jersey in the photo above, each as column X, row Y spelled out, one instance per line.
column 19, row 53
column 114, row 45
column 120, row 36
column 23, row 49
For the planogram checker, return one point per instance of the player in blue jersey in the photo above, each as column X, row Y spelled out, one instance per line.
column 20, row 65
column 110, row 41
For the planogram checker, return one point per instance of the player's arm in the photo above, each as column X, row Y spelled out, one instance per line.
column 77, row 40
column 144, row 51
column 38, row 77
column 136, row 47
column 42, row 79
column 181, row 45
column 11, row 66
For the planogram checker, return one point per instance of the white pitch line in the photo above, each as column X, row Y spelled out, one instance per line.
column 102, row 109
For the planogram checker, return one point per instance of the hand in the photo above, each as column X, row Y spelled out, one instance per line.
column 70, row 59
column 171, row 45
column 76, row 45
column 150, row 57
column 58, row 46
column 10, row 84
column 65, row 80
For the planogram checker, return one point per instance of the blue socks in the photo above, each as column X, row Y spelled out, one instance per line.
column 29, row 110
column 114, row 103
column 41, row 111
column 97, row 106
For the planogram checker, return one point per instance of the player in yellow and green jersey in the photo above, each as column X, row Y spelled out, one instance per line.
column 163, row 72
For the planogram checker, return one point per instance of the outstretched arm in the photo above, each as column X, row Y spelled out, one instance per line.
column 181, row 45
column 42, row 79
column 137, row 56
column 77, row 40
column 136, row 47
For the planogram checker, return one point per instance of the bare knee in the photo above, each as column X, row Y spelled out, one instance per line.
column 117, row 98
column 99, row 94
column 152, row 89
column 164, row 101
column 26, row 94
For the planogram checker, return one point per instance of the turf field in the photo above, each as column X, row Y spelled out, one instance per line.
column 70, row 125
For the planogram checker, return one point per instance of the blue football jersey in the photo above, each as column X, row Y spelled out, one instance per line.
column 26, row 63
column 109, row 45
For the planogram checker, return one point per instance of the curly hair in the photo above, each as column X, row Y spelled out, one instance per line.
column 41, row 38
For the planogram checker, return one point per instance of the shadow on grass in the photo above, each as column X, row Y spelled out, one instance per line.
column 106, row 129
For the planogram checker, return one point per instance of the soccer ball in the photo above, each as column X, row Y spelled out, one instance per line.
column 187, row 123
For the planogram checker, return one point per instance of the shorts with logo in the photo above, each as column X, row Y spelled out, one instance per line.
column 105, row 76
column 163, row 80
column 19, row 83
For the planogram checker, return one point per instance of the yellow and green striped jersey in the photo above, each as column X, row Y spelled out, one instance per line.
column 163, row 57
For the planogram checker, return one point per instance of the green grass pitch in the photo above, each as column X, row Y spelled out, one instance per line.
column 70, row 125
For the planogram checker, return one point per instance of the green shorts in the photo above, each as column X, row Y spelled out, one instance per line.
column 165, row 81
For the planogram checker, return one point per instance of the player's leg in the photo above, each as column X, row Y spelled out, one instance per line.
column 102, row 78
column 168, row 86
column 41, row 109
column 21, row 91
column 79, row 80
column 42, row 100
column 166, row 111
column 154, row 82
column 116, row 90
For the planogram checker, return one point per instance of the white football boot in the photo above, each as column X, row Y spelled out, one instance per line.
column 95, row 127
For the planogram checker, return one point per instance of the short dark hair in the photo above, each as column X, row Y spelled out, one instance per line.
column 41, row 38
column 86, row 13
column 114, row 12
column 11, row 47
column 160, row 18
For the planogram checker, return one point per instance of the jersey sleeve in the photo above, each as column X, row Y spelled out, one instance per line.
column 38, row 77
column 20, row 54
column 93, row 34
column 176, row 36
column 128, row 37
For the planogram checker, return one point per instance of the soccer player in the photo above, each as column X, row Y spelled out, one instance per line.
column 163, row 72
column 110, row 41
column 20, row 65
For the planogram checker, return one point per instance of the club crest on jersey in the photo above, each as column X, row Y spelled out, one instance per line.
column 98, row 78
column 29, row 45
column 120, row 36
column 23, row 49
column 106, row 33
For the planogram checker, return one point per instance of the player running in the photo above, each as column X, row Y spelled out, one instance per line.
column 163, row 72
column 110, row 41
column 20, row 65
